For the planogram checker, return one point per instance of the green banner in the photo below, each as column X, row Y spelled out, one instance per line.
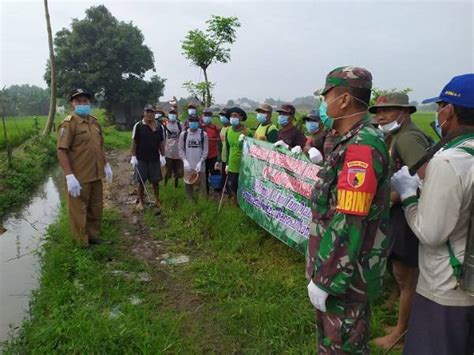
column 275, row 188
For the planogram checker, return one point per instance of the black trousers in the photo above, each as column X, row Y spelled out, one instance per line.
column 440, row 330
column 210, row 163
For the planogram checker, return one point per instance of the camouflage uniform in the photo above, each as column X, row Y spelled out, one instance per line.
column 348, row 245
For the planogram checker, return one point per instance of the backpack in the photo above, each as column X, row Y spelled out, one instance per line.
column 186, row 138
column 167, row 131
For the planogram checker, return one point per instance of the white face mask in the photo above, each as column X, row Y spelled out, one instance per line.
column 390, row 127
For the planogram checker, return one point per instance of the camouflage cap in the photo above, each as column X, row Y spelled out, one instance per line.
column 264, row 108
column 348, row 77
column 393, row 99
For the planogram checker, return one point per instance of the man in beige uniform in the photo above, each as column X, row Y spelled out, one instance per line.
column 442, row 315
column 82, row 158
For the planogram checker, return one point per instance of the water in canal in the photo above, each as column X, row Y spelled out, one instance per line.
column 19, row 260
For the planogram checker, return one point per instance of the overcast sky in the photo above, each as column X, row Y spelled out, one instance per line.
column 283, row 49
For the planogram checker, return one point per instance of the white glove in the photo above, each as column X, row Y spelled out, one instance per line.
column 73, row 186
column 108, row 172
column 162, row 161
column 281, row 144
column 403, row 183
column 198, row 166
column 134, row 161
column 315, row 155
column 241, row 137
column 186, row 165
column 317, row 296
column 296, row 150
column 227, row 169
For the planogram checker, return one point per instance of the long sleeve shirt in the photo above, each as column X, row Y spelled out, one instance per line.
column 443, row 213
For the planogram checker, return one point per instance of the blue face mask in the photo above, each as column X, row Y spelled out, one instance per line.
column 207, row 119
column 437, row 125
column 192, row 111
column 172, row 117
column 323, row 114
column 283, row 120
column 194, row 125
column 224, row 119
column 234, row 121
column 312, row 126
column 261, row 117
column 82, row 110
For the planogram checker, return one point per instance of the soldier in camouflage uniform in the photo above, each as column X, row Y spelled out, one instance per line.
column 348, row 245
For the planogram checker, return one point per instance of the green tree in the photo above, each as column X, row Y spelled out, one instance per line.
column 199, row 91
column 106, row 57
column 26, row 100
column 203, row 48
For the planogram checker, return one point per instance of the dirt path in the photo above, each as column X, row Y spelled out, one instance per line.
column 141, row 244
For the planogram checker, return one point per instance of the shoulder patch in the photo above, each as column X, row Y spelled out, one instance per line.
column 357, row 183
column 68, row 118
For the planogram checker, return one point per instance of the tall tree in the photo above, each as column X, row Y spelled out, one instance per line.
column 108, row 58
column 203, row 48
column 52, row 84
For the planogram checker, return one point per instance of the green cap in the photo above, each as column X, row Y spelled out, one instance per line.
column 348, row 77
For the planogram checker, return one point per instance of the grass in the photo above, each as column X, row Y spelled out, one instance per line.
column 250, row 287
column 73, row 311
column 21, row 128
column 423, row 120
column 27, row 169
column 251, row 290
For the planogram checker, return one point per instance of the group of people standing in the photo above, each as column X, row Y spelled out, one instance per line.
column 385, row 192
column 195, row 149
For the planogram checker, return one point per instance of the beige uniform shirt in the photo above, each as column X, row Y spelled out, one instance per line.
column 83, row 140
column 442, row 213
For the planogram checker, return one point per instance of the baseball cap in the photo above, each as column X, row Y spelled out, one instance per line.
column 79, row 92
column 193, row 118
column 264, row 108
column 312, row 116
column 223, row 111
column 287, row 108
column 149, row 107
column 207, row 110
column 459, row 91
column 191, row 105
